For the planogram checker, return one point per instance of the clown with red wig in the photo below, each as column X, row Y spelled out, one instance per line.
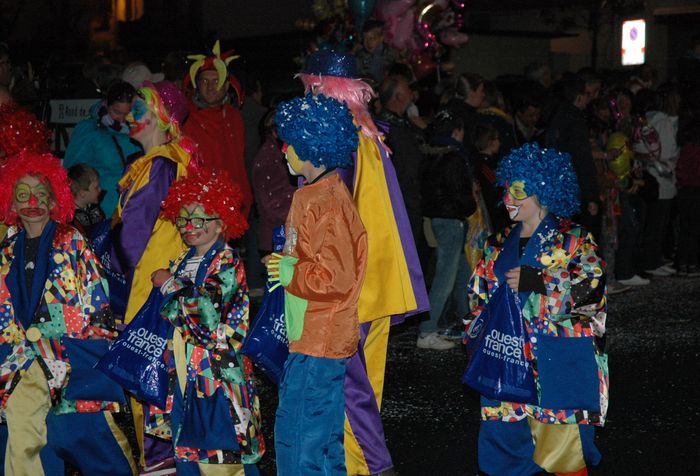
column 214, row 124
column 55, row 323
column 206, row 300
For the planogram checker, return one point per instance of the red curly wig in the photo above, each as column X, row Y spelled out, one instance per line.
column 50, row 171
column 21, row 130
column 216, row 192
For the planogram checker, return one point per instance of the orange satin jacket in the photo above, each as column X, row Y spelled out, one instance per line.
column 326, row 234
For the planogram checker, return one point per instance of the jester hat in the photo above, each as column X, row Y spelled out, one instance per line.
column 218, row 62
column 216, row 192
column 49, row 170
column 547, row 173
column 320, row 129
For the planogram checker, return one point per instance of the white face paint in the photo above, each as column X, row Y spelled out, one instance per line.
column 513, row 211
column 291, row 170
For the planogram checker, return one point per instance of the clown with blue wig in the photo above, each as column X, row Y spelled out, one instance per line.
column 322, row 269
column 552, row 267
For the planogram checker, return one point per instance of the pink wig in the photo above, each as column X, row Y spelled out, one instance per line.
column 48, row 170
column 353, row 92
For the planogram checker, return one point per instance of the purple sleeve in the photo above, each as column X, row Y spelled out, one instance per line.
column 140, row 214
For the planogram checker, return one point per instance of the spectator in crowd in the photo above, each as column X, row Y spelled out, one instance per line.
column 485, row 159
column 467, row 97
column 541, row 73
column 663, row 117
column 272, row 185
column 103, row 141
column 175, row 67
column 527, row 117
column 85, row 187
column 374, row 57
column 214, row 124
column 493, row 111
column 447, row 201
column 568, row 133
column 404, row 139
column 137, row 73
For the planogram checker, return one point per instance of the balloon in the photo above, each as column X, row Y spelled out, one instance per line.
column 390, row 9
column 619, row 146
column 398, row 31
column 423, row 66
column 361, row 10
column 452, row 37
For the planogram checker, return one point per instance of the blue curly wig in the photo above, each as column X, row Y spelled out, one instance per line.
column 546, row 173
column 319, row 128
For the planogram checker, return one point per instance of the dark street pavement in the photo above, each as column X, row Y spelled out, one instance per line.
column 431, row 419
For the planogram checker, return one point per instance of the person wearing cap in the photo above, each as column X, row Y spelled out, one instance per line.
column 393, row 286
column 214, row 124
column 102, row 141
column 322, row 269
column 137, row 73
column 553, row 267
column 55, row 322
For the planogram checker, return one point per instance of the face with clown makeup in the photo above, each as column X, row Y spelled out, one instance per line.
column 521, row 206
column 197, row 228
column 32, row 201
column 294, row 163
column 141, row 120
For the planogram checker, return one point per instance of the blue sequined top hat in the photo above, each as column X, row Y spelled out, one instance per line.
column 320, row 129
column 332, row 63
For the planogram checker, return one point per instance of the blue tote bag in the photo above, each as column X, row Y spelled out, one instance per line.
column 497, row 368
column 136, row 360
column 101, row 241
column 266, row 343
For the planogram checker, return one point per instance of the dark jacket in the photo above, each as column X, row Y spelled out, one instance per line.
column 568, row 133
column 405, row 141
column 447, row 185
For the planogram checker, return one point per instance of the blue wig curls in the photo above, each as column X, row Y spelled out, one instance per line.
column 319, row 128
column 546, row 173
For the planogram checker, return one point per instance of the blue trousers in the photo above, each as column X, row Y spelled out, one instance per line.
column 310, row 417
column 451, row 272
column 85, row 440
column 507, row 448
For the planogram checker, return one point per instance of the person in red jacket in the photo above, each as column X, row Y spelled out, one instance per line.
column 214, row 123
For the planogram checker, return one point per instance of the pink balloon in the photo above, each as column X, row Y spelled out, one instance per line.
column 398, row 31
column 389, row 9
column 452, row 37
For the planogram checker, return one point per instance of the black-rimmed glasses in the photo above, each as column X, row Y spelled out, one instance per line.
column 197, row 223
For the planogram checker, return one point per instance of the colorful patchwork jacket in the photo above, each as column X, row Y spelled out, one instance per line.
column 73, row 306
column 212, row 317
column 573, row 311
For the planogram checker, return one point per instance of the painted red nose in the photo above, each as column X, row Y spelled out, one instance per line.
column 33, row 202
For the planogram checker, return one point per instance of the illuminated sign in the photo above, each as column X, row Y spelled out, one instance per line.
column 634, row 42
